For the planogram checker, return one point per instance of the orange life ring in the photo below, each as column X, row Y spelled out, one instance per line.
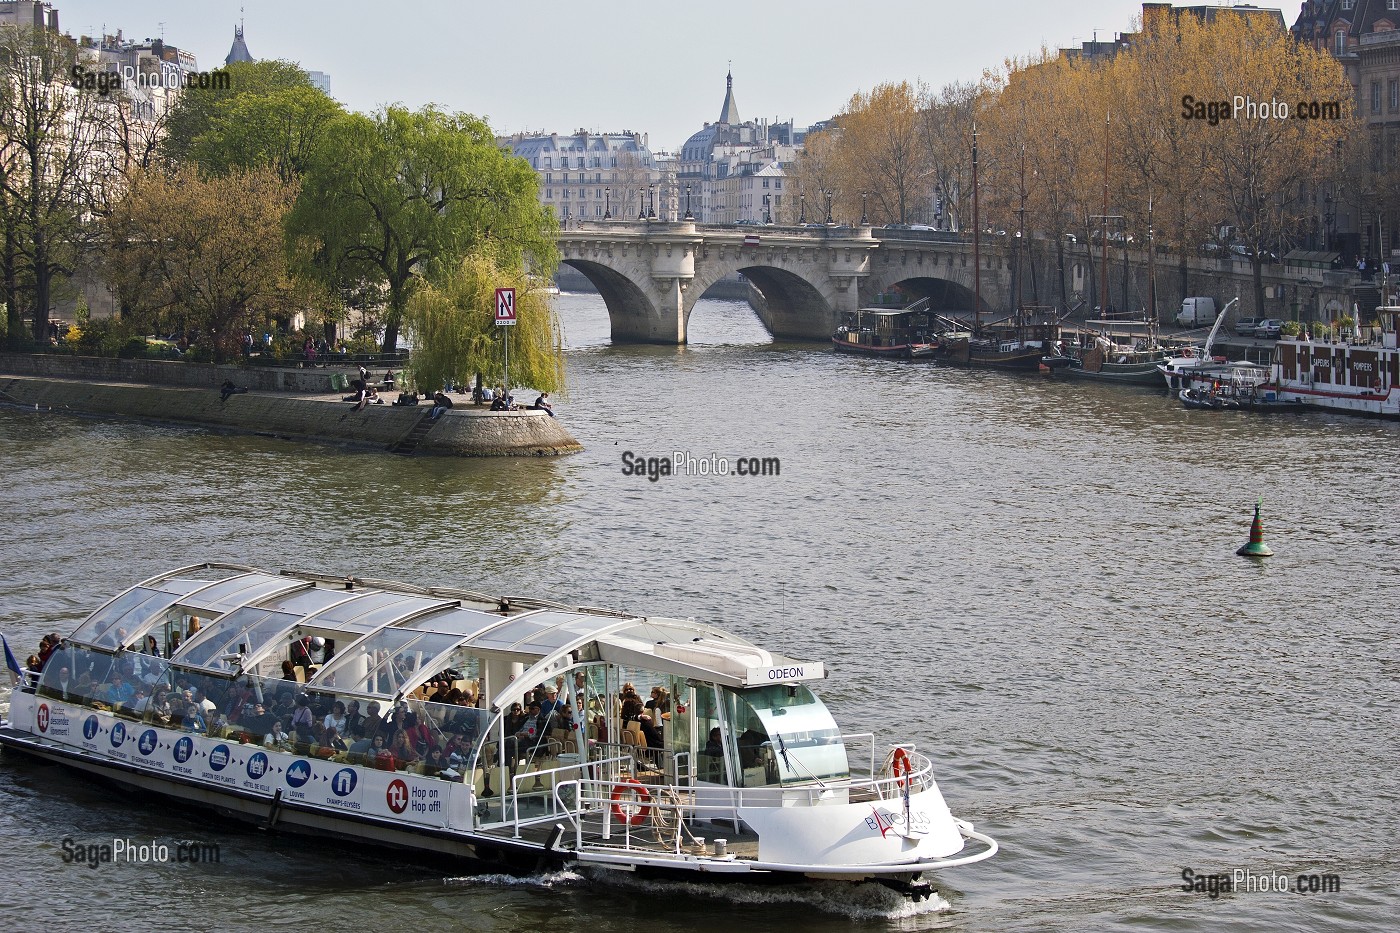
column 899, row 758
column 631, row 787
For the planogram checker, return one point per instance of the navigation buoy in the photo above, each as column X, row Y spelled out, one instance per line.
column 1255, row 546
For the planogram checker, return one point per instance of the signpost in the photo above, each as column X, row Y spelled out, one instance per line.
column 505, row 317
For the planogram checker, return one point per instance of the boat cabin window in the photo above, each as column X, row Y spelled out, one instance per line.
column 783, row 734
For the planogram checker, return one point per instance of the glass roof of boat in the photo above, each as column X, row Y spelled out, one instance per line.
column 392, row 637
column 254, row 627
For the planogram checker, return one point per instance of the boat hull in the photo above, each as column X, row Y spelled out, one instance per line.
column 903, row 351
column 1142, row 374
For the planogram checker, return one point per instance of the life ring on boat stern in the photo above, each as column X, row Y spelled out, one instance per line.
column 900, row 766
column 633, row 788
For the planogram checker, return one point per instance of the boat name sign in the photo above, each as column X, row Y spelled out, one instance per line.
column 787, row 674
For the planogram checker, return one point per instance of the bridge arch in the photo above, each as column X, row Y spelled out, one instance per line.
column 788, row 302
column 945, row 295
column 633, row 316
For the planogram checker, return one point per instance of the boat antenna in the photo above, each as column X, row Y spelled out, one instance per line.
column 976, row 243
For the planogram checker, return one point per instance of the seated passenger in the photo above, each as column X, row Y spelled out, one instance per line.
column 750, row 741
column 401, row 750
column 194, row 719
column 354, row 720
column 435, row 763
column 715, row 745
column 256, row 720
column 333, row 740
column 303, row 723
column 420, row 737
column 335, row 719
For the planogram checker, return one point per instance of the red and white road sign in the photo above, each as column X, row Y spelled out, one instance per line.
column 505, row 306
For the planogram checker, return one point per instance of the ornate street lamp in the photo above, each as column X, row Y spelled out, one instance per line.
column 641, row 204
column 688, row 214
column 607, row 204
column 828, row 206
column 802, row 213
column 651, row 202
column 768, row 208
column 864, row 219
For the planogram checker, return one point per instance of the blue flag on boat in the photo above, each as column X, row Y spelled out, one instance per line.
column 10, row 661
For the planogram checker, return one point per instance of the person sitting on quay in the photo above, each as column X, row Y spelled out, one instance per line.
column 441, row 403
column 542, row 404
column 228, row 388
column 361, row 396
column 407, row 399
column 501, row 403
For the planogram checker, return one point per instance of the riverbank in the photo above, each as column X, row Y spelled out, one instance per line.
column 322, row 417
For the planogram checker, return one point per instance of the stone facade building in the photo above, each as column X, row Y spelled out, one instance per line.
column 597, row 176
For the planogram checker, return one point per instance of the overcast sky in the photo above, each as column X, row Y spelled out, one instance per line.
column 654, row 67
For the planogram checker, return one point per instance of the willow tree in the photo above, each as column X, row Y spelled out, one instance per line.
column 387, row 196
column 451, row 320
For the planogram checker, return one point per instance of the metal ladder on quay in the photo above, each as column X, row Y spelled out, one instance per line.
column 407, row 444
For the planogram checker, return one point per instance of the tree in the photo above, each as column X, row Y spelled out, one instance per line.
column 194, row 115
column 883, row 156
column 52, row 137
column 818, row 174
column 388, row 194
column 208, row 248
column 282, row 128
column 452, row 323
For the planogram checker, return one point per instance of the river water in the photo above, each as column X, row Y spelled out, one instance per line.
column 1031, row 578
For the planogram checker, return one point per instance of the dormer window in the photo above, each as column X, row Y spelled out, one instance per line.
column 1341, row 47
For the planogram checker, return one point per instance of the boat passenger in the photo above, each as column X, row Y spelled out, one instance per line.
column 194, row 719
column 354, row 720
column 335, row 719
column 289, row 671
column 303, row 723
column 402, row 752
column 118, row 691
column 750, row 741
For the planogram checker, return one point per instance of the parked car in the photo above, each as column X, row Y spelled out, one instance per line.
column 1246, row 326
column 1269, row 329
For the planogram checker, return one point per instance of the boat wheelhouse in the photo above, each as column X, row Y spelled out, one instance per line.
column 275, row 685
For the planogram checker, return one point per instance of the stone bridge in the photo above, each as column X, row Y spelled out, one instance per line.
column 651, row 273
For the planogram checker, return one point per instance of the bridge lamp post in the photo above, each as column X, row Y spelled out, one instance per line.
column 768, row 208
column 641, row 204
column 688, row 214
column 828, row 207
column 802, row 212
column 864, row 218
column 651, row 202
column 607, row 204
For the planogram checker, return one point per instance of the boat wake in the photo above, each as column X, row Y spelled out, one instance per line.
column 840, row 898
column 544, row 880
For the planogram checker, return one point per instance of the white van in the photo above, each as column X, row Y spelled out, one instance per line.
column 1197, row 312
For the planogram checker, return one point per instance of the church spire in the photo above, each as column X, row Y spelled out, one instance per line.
column 729, row 113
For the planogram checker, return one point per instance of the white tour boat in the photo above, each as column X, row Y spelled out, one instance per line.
column 1359, row 376
column 275, row 685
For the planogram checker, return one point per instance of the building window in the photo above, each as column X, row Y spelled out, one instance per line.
column 1341, row 48
column 1375, row 97
column 548, row 162
column 1394, row 91
column 549, row 178
column 1347, row 4
column 765, row 183
column 1392, row 4
column 565, row 195
column 549, row 193
column 778, row 183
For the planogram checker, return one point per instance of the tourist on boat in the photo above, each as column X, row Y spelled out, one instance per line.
column 542, row 404
column 194, row 719
column 303, row 722
column 174, row 645
column 160, row 707
column 289, row 671
column 118, row 691
column 138, row 702
column 63, row 686
column 715, row 744
column 354, row 720
column 750, row 741
column 419, row 736
column 374, row 723
column 152, row 646
column 32, row 664
column 332, row 740
column 402, row 751
column 335, row 719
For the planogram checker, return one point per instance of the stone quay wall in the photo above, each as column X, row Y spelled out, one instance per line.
column 167, row 372
column 459, row 432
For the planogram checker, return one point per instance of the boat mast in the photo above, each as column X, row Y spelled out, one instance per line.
column 976, row 244
column 1021, row 248
column 1151, row 280
column 1103, row 229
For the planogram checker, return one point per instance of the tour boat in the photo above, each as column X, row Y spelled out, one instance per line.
column 737, row 772
column 1358, row 376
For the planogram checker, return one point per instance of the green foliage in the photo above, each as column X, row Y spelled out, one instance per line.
column 101, row 337
column 388, row 195
column 279, row 129
column 197, row 114
column 455, row 336
column 81, row 312
column 1291, row 328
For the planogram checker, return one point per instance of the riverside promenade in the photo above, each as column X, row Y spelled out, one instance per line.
column 293, row 404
